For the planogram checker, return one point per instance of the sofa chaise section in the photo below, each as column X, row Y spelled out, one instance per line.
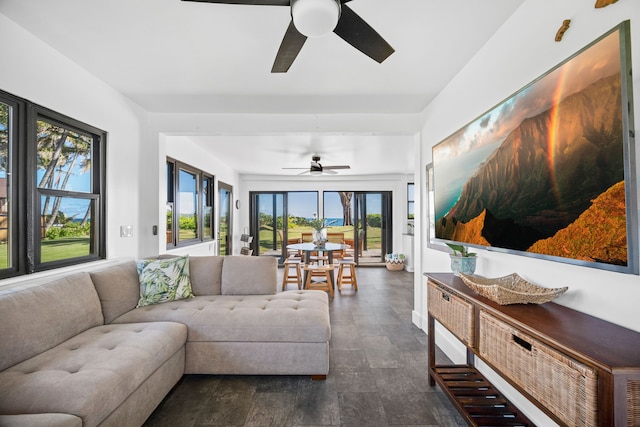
column 286, row 333
column 57, row 356
column 237, row 322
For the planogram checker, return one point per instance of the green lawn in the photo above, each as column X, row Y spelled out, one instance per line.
column 54, row 250
column 65, row 248
column 3, row 255
column 374, row 235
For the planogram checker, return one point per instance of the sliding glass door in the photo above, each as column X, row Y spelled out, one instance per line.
column 280, row 218
column 266, row 223
column 373, row 224
column 364, row 219
column 361, row 219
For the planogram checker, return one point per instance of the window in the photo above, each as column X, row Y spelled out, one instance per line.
column 8, row 133
column 207, row 205
column 189, row 204
column 410, row 200
column 170, row 199
column 51, row 189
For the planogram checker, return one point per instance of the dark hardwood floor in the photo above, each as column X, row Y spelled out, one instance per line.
column 377, row 377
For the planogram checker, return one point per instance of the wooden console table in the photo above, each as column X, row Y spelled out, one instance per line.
column 578, row 369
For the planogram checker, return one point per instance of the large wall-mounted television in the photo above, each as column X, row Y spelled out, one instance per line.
column 550, row 171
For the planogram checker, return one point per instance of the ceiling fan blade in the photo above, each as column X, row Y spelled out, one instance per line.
column 337, row 167
column 252, row 2
column 328, row 171
column 289, row 49
column 297, row 168
column 355, row 31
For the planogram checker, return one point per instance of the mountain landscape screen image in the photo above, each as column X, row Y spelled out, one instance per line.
column 548, row 172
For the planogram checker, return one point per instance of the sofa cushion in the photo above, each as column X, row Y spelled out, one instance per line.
column 118, row 288
column 163, row 280
column 292, row 316
column 249, row 275
column 91, row 374
column 206, row 274
column 35, row 319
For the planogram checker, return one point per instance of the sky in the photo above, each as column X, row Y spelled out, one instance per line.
column 79, row 181
column 305, row 204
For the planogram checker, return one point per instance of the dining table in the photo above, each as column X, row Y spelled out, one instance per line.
column 309, row 248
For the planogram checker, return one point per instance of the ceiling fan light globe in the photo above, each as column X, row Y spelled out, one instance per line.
column 315, row 18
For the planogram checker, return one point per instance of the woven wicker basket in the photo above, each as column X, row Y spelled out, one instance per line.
column 566, row 387
column 455, row 313
column 394, row 266
column 633, row 402
column 511, row 289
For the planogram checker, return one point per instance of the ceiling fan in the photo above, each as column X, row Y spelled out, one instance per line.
column 317, row 169
column 310, row 18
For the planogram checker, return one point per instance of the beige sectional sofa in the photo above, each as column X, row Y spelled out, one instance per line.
column 77, row 352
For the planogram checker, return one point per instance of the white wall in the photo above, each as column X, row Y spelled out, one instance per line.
column 523, row 49
column 33, row 70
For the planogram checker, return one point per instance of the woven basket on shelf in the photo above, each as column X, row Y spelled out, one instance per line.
column 511, row 289
column 566, row 387
column 454, row 312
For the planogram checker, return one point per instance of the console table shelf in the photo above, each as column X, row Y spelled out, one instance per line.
column 476, row 398
column 578, row 369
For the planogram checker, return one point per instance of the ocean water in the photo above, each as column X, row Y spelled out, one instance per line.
column 73, row 208
column 335, row 222
column 450, row 175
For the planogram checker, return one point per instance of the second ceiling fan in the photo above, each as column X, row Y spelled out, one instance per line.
column 314, row 17
column 317, row 169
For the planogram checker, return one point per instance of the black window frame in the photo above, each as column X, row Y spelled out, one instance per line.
column 25, row 194
column 173, row 169
column 411, row 201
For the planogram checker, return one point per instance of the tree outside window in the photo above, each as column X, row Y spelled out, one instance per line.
column 52, row 187
column 63, row 169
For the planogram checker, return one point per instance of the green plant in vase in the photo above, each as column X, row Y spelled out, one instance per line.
column 462, row 261
column 319, row 232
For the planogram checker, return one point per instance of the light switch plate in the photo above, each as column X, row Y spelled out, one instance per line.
column 126, row 231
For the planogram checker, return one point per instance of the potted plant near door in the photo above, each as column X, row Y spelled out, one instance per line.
column 462, row 261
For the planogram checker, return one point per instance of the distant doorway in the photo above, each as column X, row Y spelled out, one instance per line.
column 225, row 230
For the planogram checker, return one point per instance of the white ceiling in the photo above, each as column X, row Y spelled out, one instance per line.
column 268, row 154
column 184, row 57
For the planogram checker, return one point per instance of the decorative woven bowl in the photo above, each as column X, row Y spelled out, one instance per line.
column 511, row 289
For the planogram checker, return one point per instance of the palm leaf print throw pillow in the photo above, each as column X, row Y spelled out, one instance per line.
column 163, row 280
